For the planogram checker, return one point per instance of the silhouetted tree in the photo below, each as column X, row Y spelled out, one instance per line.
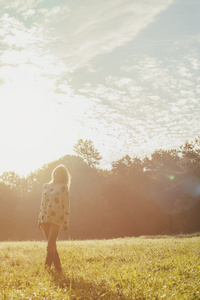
column 87, row 151
column 155, row 195
column 190, row 152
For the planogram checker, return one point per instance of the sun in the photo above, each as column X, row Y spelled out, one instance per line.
column 27, row 123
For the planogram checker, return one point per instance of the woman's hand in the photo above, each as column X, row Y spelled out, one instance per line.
column 40, row 226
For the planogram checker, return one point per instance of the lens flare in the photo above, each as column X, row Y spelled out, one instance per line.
column 171, row 177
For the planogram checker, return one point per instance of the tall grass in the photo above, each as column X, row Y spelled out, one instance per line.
column 129, row 268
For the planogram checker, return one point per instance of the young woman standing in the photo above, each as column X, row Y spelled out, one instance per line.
column 54, row 212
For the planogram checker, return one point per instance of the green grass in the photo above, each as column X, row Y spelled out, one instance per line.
column 129, row 268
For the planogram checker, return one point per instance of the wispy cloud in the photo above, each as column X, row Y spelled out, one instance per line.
column 71, row 34
column 95, row 28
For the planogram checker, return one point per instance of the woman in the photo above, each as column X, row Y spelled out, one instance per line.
column 54, row 212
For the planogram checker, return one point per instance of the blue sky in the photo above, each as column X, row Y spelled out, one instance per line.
column 122, row 73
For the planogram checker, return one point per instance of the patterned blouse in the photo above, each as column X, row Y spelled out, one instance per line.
column 55, row 204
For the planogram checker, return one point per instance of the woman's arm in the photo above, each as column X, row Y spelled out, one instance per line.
column 41, row 210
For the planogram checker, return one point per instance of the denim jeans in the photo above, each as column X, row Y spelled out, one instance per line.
column 51, row 232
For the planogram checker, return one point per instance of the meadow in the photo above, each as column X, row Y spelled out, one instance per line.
column 128, row 268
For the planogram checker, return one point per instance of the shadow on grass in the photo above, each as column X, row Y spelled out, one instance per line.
column 78, row 288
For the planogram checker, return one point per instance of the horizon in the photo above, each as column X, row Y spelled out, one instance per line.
column 124, row 75
column 101, row 166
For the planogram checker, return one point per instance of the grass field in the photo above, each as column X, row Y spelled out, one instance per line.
column 129, row 268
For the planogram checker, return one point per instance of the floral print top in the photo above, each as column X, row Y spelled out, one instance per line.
column 55, row 204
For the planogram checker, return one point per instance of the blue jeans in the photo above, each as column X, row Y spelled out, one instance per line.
column 51, row 232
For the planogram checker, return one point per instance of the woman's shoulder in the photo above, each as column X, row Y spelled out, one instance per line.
column 45, row 185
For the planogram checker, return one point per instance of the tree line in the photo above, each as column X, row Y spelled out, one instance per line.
column 151, row 196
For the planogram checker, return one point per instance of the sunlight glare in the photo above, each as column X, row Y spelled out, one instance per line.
column 27, row 122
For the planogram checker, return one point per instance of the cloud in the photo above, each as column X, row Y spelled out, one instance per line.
column 19, row 5
column 153, row 106
column 24, row 57
column 82, row 31
column 65, row 37
column 16, row 36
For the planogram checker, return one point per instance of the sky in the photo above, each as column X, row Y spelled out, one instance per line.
column 122, row 73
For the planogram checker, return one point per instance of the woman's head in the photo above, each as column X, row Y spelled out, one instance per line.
column 61, row 175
